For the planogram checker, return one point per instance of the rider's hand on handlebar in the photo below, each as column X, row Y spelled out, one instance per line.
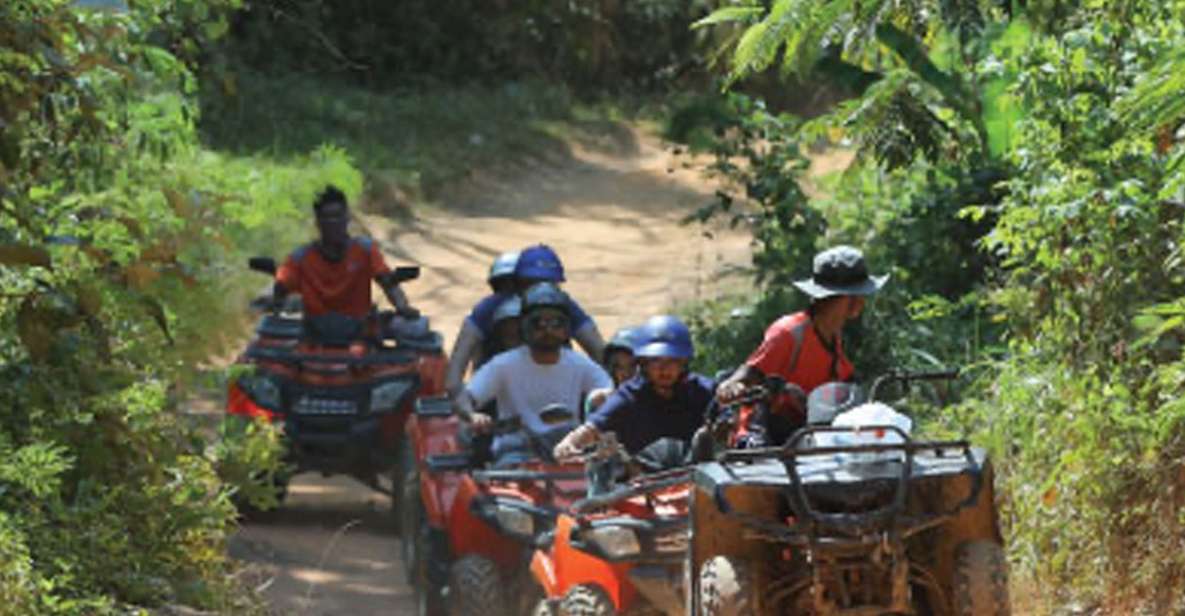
column 481, row 423
column 730, row 390
column 565, row 451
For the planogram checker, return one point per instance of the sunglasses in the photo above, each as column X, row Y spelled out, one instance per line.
column 549, row 322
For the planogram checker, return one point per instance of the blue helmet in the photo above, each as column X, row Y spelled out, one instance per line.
column 665, row 336
column 539, row 262
column 503, row 266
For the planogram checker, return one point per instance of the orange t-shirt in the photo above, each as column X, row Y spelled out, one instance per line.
column 815, row 365
column 325, row 286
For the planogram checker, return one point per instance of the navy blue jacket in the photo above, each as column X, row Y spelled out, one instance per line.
column 639, row 416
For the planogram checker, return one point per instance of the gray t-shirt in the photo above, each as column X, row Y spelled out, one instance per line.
column 522, row 387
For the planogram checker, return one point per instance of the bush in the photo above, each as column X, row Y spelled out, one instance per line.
column 122, row 241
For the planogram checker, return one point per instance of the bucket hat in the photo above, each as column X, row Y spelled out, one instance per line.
column 840, row 271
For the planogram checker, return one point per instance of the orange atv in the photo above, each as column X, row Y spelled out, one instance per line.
column 620, row 551
column 479, row 527
column 341, row 387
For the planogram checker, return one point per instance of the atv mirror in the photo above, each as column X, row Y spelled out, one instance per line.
column 556, row 414
column 399, row 275
column 263, row 265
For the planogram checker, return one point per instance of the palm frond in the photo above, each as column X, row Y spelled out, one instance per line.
column 1156, row 100
column 758, row 47
column 730, row 14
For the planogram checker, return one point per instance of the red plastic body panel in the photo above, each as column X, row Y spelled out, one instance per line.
column 325, row 373
column 573, row 567
column 564, row 567
column 239, row 403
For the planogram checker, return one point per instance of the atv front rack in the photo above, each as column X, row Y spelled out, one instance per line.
column 816, row 527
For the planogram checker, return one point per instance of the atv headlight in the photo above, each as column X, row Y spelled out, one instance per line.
column 386, row 397
column 515, row 521
column 263, row 391
column 615, row 541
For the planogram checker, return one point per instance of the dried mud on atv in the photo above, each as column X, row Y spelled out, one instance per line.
column 805, row 530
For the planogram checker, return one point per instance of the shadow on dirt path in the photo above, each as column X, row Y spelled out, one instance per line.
column 611, row 209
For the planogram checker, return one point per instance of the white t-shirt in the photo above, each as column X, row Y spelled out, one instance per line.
column 523, row 387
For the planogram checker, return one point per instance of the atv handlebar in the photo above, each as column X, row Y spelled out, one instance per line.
column 906, row 377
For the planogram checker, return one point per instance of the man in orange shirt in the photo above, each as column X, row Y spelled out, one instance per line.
column 806, row 348
column 334, row 273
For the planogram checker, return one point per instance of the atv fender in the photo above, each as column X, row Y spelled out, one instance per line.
column 543, row 570
column 239, row 403
column 469, row 534
column 573, row 567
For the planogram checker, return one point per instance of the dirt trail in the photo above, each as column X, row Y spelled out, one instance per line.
column 611, row 210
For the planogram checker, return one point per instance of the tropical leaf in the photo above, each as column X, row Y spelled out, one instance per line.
column 758, row 46
column 1156, row 99
column 730, row 14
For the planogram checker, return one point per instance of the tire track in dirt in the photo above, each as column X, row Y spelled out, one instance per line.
column 611, row 209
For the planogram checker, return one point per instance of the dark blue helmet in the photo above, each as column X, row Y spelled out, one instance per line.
column 625, row 339
column 545, row 295
column 665, row 336
column 503, row 266
column 539, row 262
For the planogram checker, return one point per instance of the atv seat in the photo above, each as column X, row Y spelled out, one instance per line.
column 334, row 330
column 273, row 326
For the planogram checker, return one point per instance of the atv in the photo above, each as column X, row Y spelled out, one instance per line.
column 479, row 526
column 851, row 516
column 341, row 388
column 622, row 549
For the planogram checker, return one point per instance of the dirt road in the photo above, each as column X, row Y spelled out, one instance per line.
column 611, row 209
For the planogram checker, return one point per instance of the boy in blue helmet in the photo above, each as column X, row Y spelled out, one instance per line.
column 663, row 400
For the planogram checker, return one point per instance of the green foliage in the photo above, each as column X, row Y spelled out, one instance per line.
column 1021, row 176
column 122, row 242
column 423, row 138
column 588, row 44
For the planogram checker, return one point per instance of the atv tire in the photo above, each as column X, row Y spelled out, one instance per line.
column 587, row 600
column 475, row 588
column 981, row 580
column 726, row 588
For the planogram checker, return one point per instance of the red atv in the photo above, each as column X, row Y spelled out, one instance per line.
column 478, row 528
column 341, row 387
column 622, row 551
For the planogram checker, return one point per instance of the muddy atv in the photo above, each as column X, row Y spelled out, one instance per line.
column 340, row 387
column 622, row 549
column 852, row 517
column 479, row 526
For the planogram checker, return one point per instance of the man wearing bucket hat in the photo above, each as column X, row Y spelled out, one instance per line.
column 663, row 401
column 806, row 348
